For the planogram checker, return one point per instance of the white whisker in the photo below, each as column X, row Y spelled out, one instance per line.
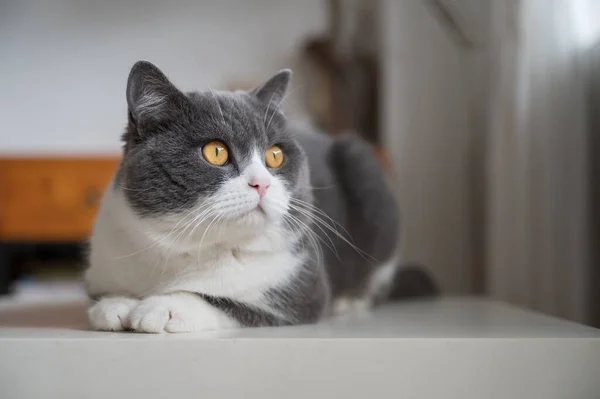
column 309, row 216
column 318, row 220
column 314, row 209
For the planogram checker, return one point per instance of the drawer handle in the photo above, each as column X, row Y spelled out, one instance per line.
column 92, row 197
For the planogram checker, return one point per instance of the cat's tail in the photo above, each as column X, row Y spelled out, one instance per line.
column 413, row 281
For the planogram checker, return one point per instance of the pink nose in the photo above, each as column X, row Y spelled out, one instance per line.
column 260, row 185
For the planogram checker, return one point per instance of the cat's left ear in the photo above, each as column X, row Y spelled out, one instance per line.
column 272, row 92
column 150, row 95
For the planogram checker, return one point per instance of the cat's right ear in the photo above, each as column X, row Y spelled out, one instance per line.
column 272, row 92
column 149, row 93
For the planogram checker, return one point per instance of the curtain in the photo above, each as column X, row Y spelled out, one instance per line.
column 537, row 207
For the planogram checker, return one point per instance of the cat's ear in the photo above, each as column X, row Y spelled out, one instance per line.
column 149, row 92
column 272, row 92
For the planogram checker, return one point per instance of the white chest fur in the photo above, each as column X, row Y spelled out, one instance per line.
column 129, row 259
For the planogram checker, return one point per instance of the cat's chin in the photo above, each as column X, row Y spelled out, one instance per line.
column 254, row 217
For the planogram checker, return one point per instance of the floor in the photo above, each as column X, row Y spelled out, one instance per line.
column 448, row 348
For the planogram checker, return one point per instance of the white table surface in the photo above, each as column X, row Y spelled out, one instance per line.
column 451, row 348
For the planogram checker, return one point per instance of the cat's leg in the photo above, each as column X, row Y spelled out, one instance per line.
column 188, row 312
column 178, row 312
column 111, row 313
column 303, row 299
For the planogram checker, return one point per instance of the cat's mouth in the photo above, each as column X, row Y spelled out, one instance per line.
column 257, row 210
column 254, row 213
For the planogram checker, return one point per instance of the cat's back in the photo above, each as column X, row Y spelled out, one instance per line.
column 350, row 186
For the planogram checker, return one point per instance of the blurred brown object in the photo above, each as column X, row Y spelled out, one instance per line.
column 345, row 92
column 51, row 199
column 384, row 158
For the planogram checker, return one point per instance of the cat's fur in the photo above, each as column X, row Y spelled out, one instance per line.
column 183, row 245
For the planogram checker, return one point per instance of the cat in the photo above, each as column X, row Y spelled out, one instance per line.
column 224, row 215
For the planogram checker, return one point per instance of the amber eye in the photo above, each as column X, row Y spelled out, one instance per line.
column 274, row 157
column 215, row 153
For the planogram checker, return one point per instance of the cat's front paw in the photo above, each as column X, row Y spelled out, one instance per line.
column 111, row 313
column 177, row 313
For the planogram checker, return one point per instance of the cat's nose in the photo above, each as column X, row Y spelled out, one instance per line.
column 261, row 186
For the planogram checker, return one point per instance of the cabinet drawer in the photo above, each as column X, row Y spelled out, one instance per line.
column 52, row 199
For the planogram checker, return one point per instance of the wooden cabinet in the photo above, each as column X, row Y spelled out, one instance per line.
column 51, row 199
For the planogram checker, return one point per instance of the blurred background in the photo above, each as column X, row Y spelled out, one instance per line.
column 486, row 114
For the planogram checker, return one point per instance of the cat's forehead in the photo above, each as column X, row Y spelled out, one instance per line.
column 238, row 118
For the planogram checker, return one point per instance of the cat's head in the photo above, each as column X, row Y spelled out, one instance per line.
column 209, row 156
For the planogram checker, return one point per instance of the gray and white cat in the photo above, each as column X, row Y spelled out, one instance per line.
column 214, row 221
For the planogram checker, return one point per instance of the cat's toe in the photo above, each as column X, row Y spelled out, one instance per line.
column 151, row 316
column 179, row 323
column 111, row 314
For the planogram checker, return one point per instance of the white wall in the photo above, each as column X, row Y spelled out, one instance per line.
column 64, row 63
column 428, row 134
